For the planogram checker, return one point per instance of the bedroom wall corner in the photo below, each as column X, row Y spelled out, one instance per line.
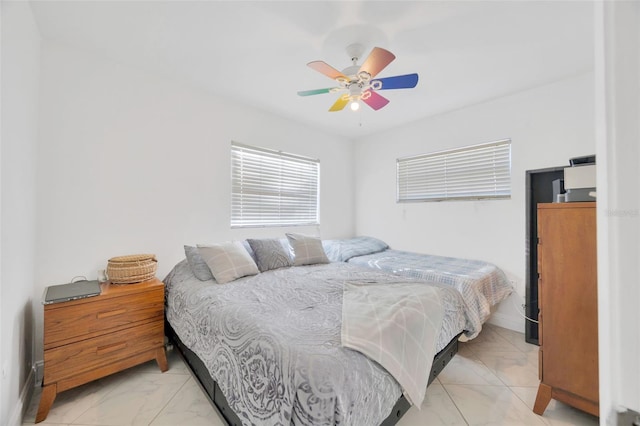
column 136, row 162
column 20, row 52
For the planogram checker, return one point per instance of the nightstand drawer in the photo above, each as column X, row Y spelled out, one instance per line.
column 67, row 323
column 77, row 358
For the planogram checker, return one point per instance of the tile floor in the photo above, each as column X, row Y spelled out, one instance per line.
column 492, row 381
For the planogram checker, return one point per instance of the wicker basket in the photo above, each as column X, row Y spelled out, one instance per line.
column 131, row 269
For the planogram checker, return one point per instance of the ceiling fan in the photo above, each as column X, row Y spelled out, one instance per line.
column 358, row 82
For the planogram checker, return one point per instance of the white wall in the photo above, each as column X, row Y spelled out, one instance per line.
column 130, row 162
column 546, row 125
column 20, row 74
column 618, row 150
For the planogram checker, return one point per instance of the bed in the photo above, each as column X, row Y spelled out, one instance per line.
column 482, row 284
column 267, row 347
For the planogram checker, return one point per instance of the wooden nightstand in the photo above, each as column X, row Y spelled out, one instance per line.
column 90, row 338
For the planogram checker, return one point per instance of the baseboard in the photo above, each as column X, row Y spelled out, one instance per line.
column 39, row 366
column 23, row 401
column 515, row 323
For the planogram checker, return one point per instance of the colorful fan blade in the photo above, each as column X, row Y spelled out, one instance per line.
column 375, row 101
column 408, row 81
column 378, row 59
column 326, row 69
column 314, row 92
column 340, row 104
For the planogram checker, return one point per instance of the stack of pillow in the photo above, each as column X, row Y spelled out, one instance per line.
column 229, row 261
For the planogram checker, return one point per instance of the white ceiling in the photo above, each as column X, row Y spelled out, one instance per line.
column 256, row 52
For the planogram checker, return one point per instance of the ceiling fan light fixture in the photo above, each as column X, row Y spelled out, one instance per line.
column 355, row 105
column 355, row 90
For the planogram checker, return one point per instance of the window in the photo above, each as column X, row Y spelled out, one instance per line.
column 273, row 188
column 474, row 172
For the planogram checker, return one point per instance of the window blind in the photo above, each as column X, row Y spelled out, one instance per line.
column 273, row 188
column 474, row 172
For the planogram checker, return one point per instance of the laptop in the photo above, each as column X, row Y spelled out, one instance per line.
column 71, row 291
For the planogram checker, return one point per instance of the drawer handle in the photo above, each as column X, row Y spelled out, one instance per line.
column 110, row 348
column 111, row 313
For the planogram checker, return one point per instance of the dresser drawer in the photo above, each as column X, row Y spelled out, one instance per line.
column 77, row 358
column 65, row 324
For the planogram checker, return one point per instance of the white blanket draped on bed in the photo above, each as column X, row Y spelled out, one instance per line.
column 396, row 325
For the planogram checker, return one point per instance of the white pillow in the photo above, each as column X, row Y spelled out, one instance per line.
column 306, row 250
column 228, row 261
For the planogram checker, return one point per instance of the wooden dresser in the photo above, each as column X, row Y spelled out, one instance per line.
column 568, row 357
column 90, row 338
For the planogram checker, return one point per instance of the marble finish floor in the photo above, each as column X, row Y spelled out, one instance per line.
column 493, row 380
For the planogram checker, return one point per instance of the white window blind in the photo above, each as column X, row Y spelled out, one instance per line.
column 474, row 172
column 273, row 188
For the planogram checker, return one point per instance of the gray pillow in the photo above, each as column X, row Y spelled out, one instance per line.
column 307, row 250
column 197, row 264
column 248, row 248
column 228, row 261
column 270, row 254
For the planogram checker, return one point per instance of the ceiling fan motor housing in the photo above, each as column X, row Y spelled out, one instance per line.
column 351, row 71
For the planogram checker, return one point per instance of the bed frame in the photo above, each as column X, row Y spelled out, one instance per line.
column 214, row 393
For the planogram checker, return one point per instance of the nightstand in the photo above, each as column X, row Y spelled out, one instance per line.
column 90, row 338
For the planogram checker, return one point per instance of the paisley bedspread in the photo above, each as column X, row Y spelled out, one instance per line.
column 272, row 343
